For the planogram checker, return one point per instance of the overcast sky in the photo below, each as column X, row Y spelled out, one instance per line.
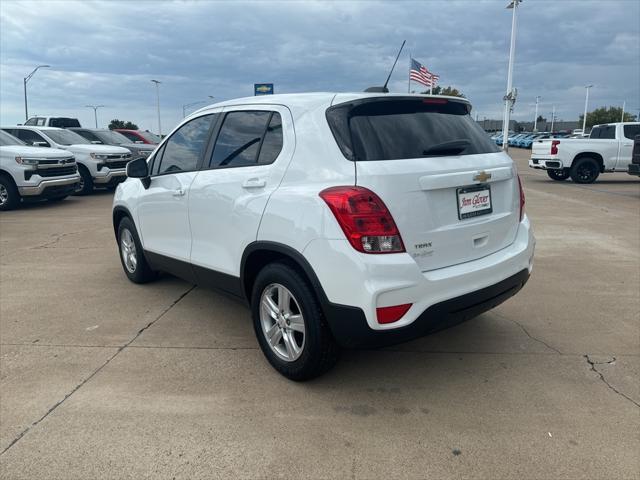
column 108, row 52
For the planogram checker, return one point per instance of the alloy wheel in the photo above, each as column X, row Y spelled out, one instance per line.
column 4, row 195
column 128, row 251
column 282, row 322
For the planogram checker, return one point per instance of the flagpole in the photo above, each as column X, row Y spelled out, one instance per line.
column 409, row 82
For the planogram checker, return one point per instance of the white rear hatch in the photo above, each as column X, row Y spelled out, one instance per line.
column 453, row 195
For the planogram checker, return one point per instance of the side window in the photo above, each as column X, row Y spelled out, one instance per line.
column 31, row 121
column 184, row 149
column 630, row 131
column 272, row 143
column 29, row 137
column 88, row 135
column 606, row 132
column 239, row 139
column 130, row 136
column 40, row 122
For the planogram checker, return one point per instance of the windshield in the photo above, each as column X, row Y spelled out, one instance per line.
column 401, row 128
column 65, row 137
column 151, row 137
column 7, row 139
column 111, row 137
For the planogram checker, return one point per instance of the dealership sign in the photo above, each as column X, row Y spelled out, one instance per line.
column 263, row 88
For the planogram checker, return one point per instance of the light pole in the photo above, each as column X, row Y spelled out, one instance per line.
column 95, row 111
column 25, row 80
column 187, row 105
column 535, row 122
column 510, row 97
column 624, row 104
column 586, row 103
column 553, row 117
column 158, row 102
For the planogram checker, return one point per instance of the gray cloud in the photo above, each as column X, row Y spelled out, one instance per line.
column 107, row 52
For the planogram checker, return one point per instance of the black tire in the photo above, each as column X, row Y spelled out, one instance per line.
column 320, row 352
column 585, row 170
column 9, row 196
column 57, row 199
column 559, row 175
column 86, row 182
column 141, row 272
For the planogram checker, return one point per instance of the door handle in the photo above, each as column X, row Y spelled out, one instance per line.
column 178, row 193
column 254, row 183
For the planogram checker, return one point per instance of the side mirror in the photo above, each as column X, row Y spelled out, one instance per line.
column 40, row 144
column 138, row 168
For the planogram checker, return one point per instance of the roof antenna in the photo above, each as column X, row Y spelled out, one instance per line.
column 384, row 88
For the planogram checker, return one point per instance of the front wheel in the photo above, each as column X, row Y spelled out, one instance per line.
column 290, row 325
column 86, row 182
column 585, row 170
column 559, row 174
column 9, row 196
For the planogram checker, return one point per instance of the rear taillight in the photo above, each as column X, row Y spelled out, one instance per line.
column 554, row 146
column 364, row 219
column 521, row 198
column 392, row 314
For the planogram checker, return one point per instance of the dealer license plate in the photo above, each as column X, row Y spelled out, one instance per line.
column 474, row 201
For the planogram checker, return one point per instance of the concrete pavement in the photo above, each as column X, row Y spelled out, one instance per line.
column 100, row 378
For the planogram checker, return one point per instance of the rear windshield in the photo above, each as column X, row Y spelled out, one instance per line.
column 62, row 122
column 394, row 129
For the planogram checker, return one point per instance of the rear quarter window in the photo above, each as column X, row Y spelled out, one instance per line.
column 402, row 128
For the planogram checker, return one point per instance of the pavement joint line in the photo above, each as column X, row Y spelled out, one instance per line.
column 96, row 371
column 528, row 334
column 593, row 364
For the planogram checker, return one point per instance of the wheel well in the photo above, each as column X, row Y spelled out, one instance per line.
column 4, row 173
column 596, row 156
column 256, row 259
column 118, row 215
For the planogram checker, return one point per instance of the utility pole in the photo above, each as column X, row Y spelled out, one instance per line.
column 586, row 103
column 158, row 104
column 624, row 104
column 24, row 83
column 535, row 122
column 553, row 118
column 510, row 97
column 95, row 111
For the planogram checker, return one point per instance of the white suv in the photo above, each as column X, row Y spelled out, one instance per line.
column 98, row 165
column 343, row 219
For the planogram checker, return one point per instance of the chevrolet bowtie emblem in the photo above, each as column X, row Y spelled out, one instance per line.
column 482, row 177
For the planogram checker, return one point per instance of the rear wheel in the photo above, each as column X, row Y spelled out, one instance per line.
column 585, row 170
column 559, row 174
column 131, row 254
column 9, row 196
column 86, row 182
column 290, row 325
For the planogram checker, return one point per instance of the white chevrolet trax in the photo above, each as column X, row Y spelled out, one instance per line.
column 351, row 220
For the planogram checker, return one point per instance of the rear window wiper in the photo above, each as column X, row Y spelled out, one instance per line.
column 452, row 147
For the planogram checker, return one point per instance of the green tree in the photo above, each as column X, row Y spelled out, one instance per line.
column 115, row 123
column 606, row 115
column 450, row 91
column 541, row 119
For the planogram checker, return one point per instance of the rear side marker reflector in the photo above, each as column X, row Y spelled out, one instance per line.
column 392, row 314
column 364, row 219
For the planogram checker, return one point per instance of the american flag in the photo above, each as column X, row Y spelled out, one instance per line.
column 420, row 74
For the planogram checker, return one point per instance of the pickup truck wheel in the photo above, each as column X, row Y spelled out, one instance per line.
column 559, row 174
column 86, row 182
column 585, row 170
column 9, row 196
column 290, row 325
column 131, row 254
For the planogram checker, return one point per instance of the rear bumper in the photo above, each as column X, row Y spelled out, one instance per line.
column 545, row 163
column 359, row 283
column 350, row 328
column 53, row 187
column 634, row 169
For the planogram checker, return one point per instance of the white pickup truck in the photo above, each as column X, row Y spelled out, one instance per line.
column 608, row 149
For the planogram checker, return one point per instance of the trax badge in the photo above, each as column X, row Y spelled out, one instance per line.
column 482, row 177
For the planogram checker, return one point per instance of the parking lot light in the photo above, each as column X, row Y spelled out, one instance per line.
column 509, row 98
column 586, row 103
column 95, row 111
column 158, row 104
column 25, row 80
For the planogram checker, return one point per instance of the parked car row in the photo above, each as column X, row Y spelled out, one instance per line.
column 43, row 161
column 526, row 139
